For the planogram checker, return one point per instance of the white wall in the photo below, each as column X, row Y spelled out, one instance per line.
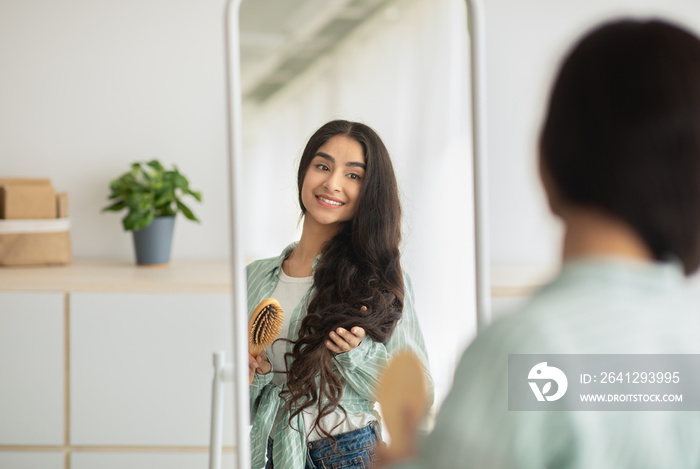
column 88, row 87
column 524, row 42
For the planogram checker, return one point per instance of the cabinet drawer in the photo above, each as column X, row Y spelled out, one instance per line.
column 28, row 460
column 145, row 460
column 141, row 367
column 32, row 368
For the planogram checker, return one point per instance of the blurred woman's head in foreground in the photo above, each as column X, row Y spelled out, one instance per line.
column 622, row 133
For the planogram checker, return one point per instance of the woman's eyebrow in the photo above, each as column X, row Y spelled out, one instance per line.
column 332, row 160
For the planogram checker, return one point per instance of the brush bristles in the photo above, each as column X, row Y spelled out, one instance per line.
column 266, row 326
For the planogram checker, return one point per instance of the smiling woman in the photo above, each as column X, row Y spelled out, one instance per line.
column 348, row 304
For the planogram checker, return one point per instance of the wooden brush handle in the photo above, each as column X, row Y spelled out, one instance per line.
column 255, row 350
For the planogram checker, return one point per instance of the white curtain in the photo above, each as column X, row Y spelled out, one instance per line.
column 404, row 73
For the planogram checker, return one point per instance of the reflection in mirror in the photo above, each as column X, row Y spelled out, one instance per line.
column 400, row 67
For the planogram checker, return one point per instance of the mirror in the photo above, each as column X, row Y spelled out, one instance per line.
column 402, row 68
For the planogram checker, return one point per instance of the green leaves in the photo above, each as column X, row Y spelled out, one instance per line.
column 155, row 164
column 147, row 191
column 115, row 207
column 186, row 211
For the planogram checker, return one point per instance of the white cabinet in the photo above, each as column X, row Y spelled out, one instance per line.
column 31, row 369
column 145, row 460
column 27, row 460
column 106, row 365
column 141, row 367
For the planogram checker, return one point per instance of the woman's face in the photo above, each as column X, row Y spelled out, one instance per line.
column 333, row 181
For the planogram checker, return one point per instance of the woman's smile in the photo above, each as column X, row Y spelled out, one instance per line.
column 329, row 202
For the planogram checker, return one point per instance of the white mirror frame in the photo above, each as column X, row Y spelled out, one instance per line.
column 239, row 321
column 477, row 52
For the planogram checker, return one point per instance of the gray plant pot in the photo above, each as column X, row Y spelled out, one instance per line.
column 152, row 244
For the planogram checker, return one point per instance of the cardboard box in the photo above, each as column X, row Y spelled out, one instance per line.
column 30, row 232
column 25, row 181
column 25, row 199
column 62, row 205
column 35, row 242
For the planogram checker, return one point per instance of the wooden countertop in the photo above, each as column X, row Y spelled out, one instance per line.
column 508, row 280
column 180, row 276
column 200, row 276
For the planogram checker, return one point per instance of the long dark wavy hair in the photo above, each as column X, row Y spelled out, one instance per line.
column 360, row 266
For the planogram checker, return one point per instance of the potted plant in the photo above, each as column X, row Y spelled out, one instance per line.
column 152, row 195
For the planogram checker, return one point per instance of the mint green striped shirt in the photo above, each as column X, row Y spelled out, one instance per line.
column 595, row 306
column 362, row 368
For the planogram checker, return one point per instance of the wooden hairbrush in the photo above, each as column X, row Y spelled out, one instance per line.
column 403, row 397
column 264, row 325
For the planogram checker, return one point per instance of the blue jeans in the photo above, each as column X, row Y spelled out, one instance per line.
column 355, row 450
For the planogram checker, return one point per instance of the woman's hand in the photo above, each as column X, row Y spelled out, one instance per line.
column 342, row 340
column 259, row 364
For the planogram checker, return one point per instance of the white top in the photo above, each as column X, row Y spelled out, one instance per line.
column 289, row 293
